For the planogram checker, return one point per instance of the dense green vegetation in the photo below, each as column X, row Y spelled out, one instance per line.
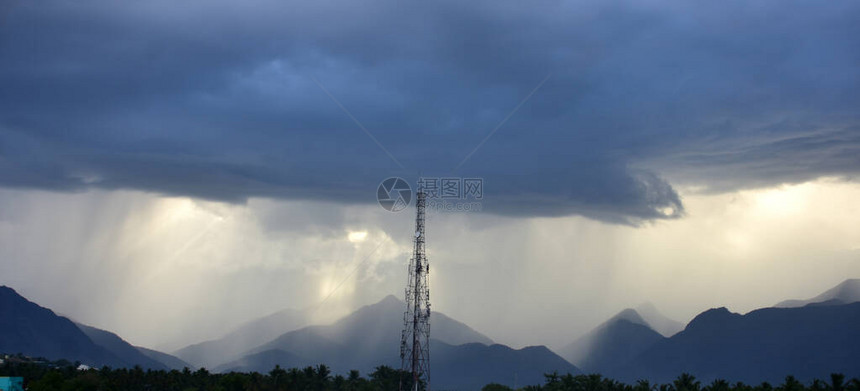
column 684, row 382
column 64, row 376
column 41, row 375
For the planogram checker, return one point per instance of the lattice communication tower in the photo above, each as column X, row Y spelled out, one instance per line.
column 415, row 339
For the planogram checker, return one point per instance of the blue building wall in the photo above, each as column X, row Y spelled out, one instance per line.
column 11, row 384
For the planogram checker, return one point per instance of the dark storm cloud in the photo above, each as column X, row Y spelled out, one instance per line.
column 217, row 100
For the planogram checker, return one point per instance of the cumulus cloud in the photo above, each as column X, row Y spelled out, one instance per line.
column 213, row 100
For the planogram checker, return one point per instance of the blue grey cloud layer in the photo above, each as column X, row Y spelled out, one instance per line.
column 216, row 100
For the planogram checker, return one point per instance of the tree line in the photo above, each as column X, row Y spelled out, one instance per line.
column 46, row 376
column 65, row 376
column 684, row 382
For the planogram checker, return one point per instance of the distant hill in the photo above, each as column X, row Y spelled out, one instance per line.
column 129, row 355
column 444, row 328
column 472, row 366
column 26, row 327
column 846, row 292
column 307, row 346
column 365, row 331
column 763, row 345
column 659, row 322
column 370, row 337
column 265, row 361
column 230, row 347
column 170, row 361
column 618, row 340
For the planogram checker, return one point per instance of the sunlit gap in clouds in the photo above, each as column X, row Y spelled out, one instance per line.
column 357, row 236
column 339, row 281
column 186, row 209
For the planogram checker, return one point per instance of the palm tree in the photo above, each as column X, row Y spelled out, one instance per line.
column 837, row 382
column 339, row 383
column 496, row 387
column 765, row 386
column 551, row 378
column 321, row 377
column 718, row 385
column 278, row 376
column 686, row 382
column 817, row 385
column 353, row 381
column 791, row 384
column 643, row 385
column 593, row 382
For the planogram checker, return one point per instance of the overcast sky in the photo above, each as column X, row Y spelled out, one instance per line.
column 168, row 171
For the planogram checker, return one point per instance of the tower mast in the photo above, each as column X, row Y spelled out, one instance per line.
column 415, row 338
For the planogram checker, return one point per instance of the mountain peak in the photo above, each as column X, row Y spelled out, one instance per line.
column 12, row 299
column 847, row 291
column 659, row 322
column 37, row 331
column 712, row 317
column 762, row 345
column 388, row 303
column 630, row 315
column 849, row 285
column 617, row 340
column 5, row 290
column 717, row 310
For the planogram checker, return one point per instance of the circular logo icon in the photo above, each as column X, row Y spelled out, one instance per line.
column 394, row 194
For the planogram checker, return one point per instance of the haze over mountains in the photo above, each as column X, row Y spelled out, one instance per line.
column 844, row 293
column 462, row 357
column 808, row 339
column 814, row 338
column 120, row 348
column 620, row 339
column 212, row 353
column 28, row 328
column 763, row 345
column 657, row 321
column 240, row 342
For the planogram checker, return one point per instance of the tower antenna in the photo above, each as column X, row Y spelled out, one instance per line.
column 415, row 338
